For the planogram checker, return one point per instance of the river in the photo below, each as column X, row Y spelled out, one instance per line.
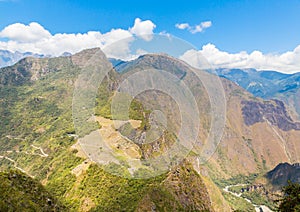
column 258, row 208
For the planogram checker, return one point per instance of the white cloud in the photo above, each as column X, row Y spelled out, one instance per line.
column 182, row 26
column 35, row 38
column 25, row 33
column 211, row 57
column 143, row 29
column 206, row 24
column 194, row 29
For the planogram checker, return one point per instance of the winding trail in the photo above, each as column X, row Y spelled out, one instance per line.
column 15, row 165
column 43, row 154
column 42, row 151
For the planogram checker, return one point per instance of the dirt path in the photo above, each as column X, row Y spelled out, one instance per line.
column 42, row 151
column 15, row 165
column 43, row 154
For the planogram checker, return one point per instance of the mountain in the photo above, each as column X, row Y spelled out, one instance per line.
column 283, row 173
column 37, row 136
column 263, row 84
column 259, row 134
column 8, row 58
column 268, row 85
column 116, row 62
column 42, row 134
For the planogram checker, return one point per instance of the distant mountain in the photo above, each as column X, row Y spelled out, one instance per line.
column 66, row 54
column 263, row 84
column 116, row 62
column 267, row 84
column 8, row 58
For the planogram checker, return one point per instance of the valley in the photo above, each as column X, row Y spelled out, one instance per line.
column 110, row 165
column 258, row 208
column 157, row 106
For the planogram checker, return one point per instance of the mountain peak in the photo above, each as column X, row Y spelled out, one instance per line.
column 81, row 58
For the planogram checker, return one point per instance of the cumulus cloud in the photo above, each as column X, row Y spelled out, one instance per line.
column 25, row 33
column 143, row 29
column 211, row 57
column 35, row 38
column 194, row 29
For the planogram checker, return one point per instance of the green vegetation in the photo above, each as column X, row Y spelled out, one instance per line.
column 22, row 193
column 163, row 200
column 103, row 100
column 239, row 179
column 237, row 203
column 113, row 193
column 38, row 114
column 258, row 198
column 290, row 201
column 236, row 189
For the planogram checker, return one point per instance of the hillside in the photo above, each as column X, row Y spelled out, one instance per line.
column 259, row 134
column 22, row 193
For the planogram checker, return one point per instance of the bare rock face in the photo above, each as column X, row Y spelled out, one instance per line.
column 32, row 69
column 82, row 58
column 272, row 111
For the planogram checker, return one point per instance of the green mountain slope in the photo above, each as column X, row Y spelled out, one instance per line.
column 37, row 136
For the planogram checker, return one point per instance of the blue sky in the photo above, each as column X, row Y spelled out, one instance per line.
column 268, row 26
column 265, row 25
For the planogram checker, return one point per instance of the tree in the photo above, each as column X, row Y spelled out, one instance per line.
column 291, row 198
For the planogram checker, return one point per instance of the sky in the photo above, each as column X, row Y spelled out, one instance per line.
column 262, row 34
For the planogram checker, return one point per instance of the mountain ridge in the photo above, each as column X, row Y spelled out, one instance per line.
column 282, row 173
column 8, row 58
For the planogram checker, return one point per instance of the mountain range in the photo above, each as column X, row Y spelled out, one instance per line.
column 38, row 136
column 267, row 85
column 8, row 58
